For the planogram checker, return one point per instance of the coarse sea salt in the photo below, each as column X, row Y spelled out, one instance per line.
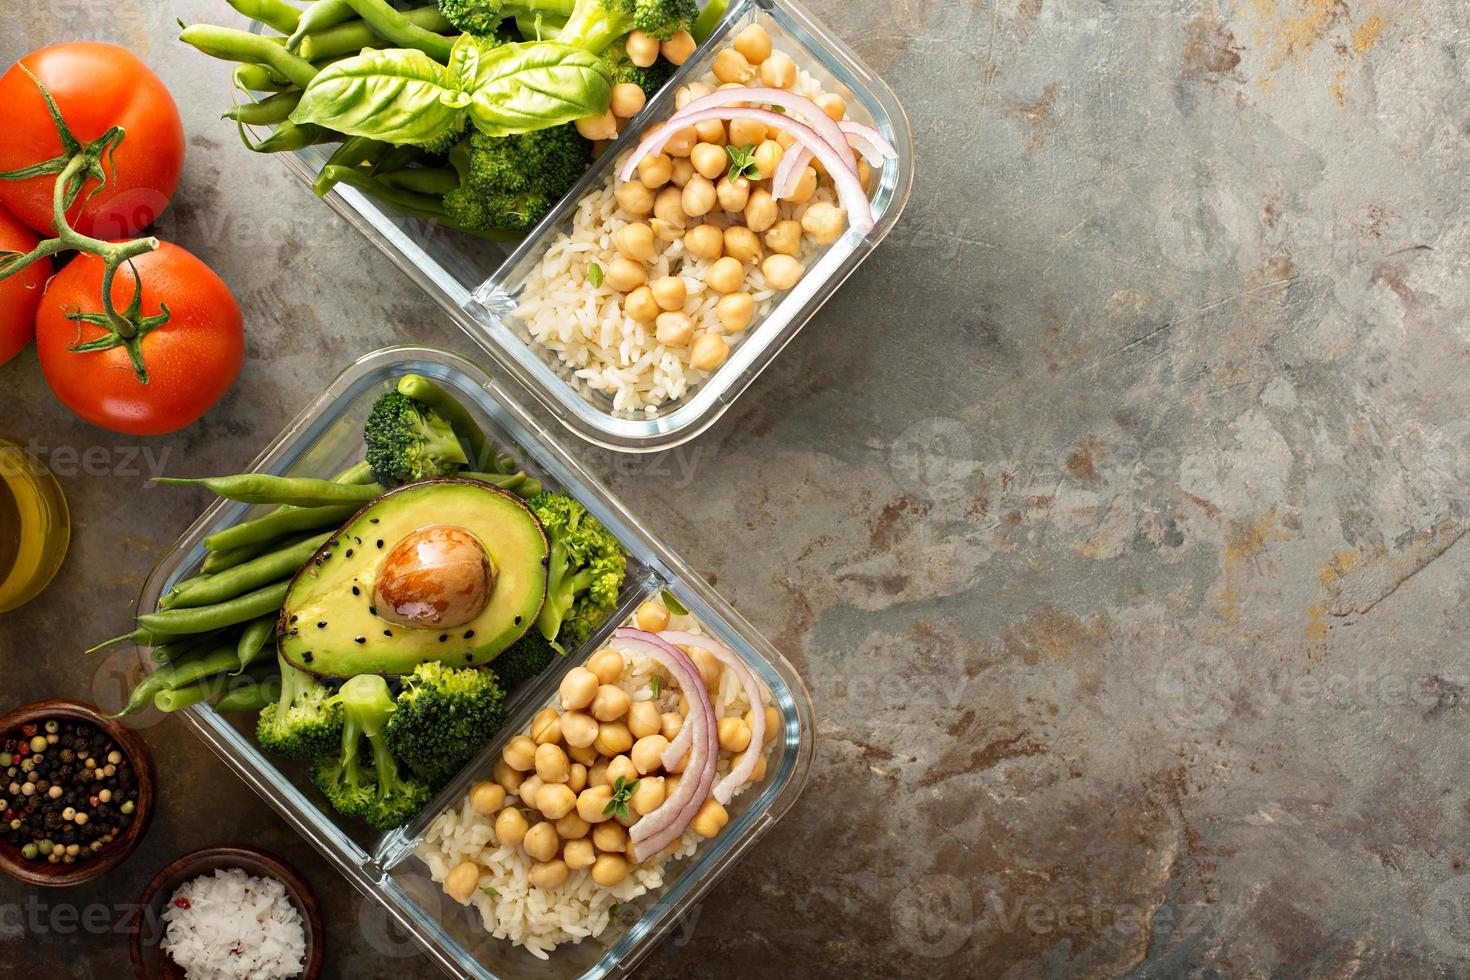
column 233, row 926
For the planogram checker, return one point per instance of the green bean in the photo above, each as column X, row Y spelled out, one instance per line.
column 222, row 561
column 174, row 652
column 422, row 180
column 353, row 151
column 275, row 14
column 179, row 674
column 251, row 605
column 709, row 19
column 397, row 158
column 350, row 37
column 265, row 112
column 144, row 638
column 254, row 640
column 517, row 483
column 259, row 78
column 318, row 17
column 393, row 26
column 266, row 531
column 232, row 45
column 273, row 566
column 262, row 488
column 421, row 389
column 288, row 137
column 251, row 697
column 237, row 689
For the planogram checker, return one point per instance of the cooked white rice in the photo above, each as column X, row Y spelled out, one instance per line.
column 541, row 919
column 234, row 926
column 586, row 326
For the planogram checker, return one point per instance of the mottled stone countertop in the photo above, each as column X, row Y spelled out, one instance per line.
column 1112, row 512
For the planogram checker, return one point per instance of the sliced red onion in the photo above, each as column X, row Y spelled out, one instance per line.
column 795, row 105
column 841, row 166
column 663, row 826
column 742, row 770
column 788, row 172
column 868, row 141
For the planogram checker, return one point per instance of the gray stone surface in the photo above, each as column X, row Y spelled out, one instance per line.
column 1110, row 512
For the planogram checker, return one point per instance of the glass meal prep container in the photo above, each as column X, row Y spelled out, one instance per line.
column 325, row 438
column 477, row 282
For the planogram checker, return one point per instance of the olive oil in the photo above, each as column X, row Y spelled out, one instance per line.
column 35, row 527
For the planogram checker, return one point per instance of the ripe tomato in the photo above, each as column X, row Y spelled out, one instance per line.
column 21, row 294
column 192, row 360
column 96, row 86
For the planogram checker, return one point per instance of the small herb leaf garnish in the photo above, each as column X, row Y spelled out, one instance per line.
column 674, row 605
column 622, row 792
column 656, row 685
column 594, row 275
column 490, row 890
column 742, row 163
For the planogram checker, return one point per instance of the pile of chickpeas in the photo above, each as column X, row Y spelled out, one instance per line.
column 678, row 192
column 550, row 791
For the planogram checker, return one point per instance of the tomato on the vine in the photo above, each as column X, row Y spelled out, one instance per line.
column 96, row 87
column 192, row 356
column 20, row 295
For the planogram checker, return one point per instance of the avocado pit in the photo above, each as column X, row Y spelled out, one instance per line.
column 438, row 577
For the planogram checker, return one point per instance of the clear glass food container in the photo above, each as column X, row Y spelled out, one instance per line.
column 325, row 439
column 477, row 282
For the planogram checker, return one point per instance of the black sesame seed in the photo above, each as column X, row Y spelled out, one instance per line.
column 468, row 634
column 372, row 610
column 361, row 639
column 294, row 617
column 469, row 657
column 443, row 637
column 349, row 552
column 356, row 539
column 356, row 590
column 372, row 520
column 321, row 625
column 518, row 620
column 380, row 542
column 306, row 656
column 546, row 561
column 387, row 632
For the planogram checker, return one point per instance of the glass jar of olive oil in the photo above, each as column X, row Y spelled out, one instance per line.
column 35, row 527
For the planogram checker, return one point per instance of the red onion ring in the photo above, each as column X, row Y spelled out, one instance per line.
column 798, row 106
column 868, row 141
column 742, row 770
column 663, row 826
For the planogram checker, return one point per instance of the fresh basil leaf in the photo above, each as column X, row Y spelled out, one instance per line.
column 656, row 685
column 520, row 88
column 464, row 65
column 398, row 96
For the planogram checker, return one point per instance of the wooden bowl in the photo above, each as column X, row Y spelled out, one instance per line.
column 49, row 875
column 150, row 962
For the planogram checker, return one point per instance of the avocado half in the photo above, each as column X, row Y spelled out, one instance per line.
column 331, row 626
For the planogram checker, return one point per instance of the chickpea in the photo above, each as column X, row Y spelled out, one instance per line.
column 768, row 158
column 759, row 772
column 555, row 800
column 670, row 293
column 549, row 874
column 806, row 186
column 773, row 723
column 734, row 734
column 541, row 843
column 710, row 131
column 635, row 199
column 643, row 49
column 625, row 275
column 461, row 883
column 487, row 798
column 643, row 719
column 709, row 352
column 683, row 706
column 690, row 92
column 607, row 665
column 710, row 160
column 610, row 869
column 709, row 666
column 735, row 311
column 725, row 275
column 613, row 738
column 682, row 143
column 520, row 753
column 785, row 237
column 552, row 765
column 572, row 826
column 578, row 729
column 670, row 723
column 730, row 66
column 579, row 854
column 584, row 755
column 592, row 801
column 610, row 837
column 683, row 171
column 641, row 306
column 611, row 703
column 530, row 787
column 578, row 688
column 699, row 197
column 628, row 100
column 649, row 795
column 734, row 194
column 705, row 242
column 778, row 70
column 546, row 727
column 597, row 775
column 710, row 819
column 678, row 768
column 824, row 222
column 655, row 170
column 665, row 231
column 735, row 85
column 647, row 752
column 603, row 127
column 577, row 777
column 784, row 140
column 833, row 105
column 509, row 779
column 669, row 206
column 782, row 272
column 761, row 211
column 621, row 768
column 511, row 827
column 678, row 48
column 754, row 43
column 743, row 244
column 652, row 617
column 747, row 132
column 674, row 329
column 671, row 785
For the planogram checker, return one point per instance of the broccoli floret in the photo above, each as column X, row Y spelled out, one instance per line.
column 408, row 441
column 585, row 571
column 376, row 793
column 478, row 17
column 511, row 182
column 596, row 24
column 445, row 716
column 304, row 724
column 651, row 79
column 525, row 659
